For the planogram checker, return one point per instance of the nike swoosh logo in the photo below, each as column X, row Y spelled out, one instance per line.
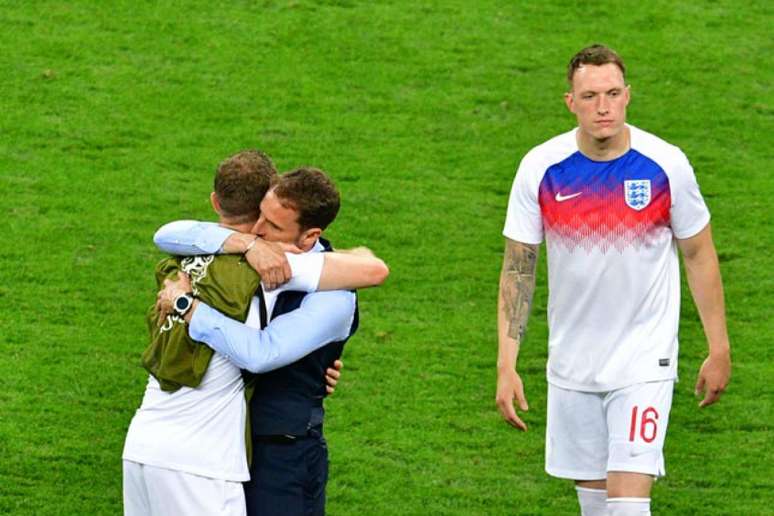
column 561, row 198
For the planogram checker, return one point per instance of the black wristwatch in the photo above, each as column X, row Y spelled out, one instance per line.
column 183, row 303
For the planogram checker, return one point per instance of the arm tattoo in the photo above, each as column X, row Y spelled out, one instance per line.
column 517, row 285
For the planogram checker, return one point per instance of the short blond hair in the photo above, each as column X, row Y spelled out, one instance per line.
column 596, row 55
column 241, row 182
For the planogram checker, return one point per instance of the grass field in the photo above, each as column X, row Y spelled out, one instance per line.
column 115, row 115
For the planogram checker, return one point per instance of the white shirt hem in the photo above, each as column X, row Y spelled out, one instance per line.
column 202, row 472
column 633, row 380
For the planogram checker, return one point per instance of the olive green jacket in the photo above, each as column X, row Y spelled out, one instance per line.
column 226, row 283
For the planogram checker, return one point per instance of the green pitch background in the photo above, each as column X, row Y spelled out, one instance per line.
column 115, row 114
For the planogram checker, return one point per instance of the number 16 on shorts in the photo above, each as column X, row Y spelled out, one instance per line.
column 644, row 424
column 638, row 428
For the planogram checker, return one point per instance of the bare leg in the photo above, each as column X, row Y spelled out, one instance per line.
column 628, row 494
column 621, row 484
column 592, row 484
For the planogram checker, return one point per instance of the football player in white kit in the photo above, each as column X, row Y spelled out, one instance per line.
column 614, row 204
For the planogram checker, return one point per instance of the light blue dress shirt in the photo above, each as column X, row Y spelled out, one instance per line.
column 191, row 237
column 323, row 317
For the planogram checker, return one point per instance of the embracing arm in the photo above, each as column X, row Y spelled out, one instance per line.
column 347, row 271
column 323, row 317
column 703, row 273
column 191, row 237
column 335, row 271
column 517, row 286
column 341, row 270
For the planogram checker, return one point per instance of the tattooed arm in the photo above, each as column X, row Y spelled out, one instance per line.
column 517, row 285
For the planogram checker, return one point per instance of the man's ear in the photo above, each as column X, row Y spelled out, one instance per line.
column 308, row 238
column 569, row 100
column 215, row 203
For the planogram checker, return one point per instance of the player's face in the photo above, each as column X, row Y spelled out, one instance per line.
column 277, row 222
column 598, row 99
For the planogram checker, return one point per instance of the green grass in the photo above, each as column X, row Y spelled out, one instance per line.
column 115, row 115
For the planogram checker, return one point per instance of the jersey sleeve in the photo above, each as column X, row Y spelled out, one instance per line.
column 688, row 213
column 306, row 269
column 523, row 220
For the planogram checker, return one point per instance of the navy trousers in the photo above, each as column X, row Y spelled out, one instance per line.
column 288, row 476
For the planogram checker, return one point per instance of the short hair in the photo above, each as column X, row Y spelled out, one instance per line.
column 241, row 181
column 312, row 193
column 596, row 55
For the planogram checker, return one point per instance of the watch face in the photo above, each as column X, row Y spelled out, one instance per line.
column 182, row 303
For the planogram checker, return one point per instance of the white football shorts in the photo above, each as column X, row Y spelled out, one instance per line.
column 152, row 491
column 591, row 433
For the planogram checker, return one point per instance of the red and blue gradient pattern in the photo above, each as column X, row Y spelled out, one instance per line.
column 599, row 217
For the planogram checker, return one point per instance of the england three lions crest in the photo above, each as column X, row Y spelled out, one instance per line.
column 637, row 193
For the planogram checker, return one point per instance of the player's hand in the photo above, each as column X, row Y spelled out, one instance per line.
column 172, row 289
column 332, row 375
column 510, row 388
column 713, row 377
column 269, row 261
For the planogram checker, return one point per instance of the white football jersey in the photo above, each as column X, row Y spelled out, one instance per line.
column 613, row 270
column 202, row 430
